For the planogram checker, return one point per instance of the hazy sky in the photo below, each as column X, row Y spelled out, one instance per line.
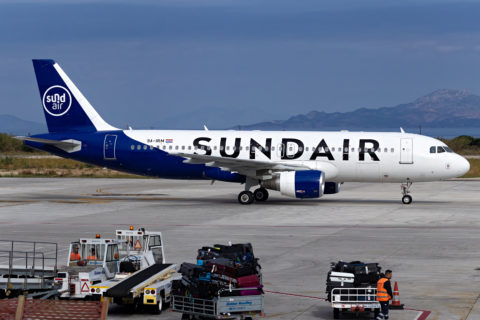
column 182, row 63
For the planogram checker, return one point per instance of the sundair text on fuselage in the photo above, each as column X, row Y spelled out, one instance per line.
column 321, row 150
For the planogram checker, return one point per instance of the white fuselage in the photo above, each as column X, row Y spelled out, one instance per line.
column 343, row 156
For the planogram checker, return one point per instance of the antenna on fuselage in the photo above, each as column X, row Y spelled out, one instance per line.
column 205, row 127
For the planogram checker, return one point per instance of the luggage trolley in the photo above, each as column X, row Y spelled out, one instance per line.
column 355, row 300
column 228, row 305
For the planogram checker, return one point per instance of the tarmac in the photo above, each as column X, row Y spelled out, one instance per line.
column 431, row 245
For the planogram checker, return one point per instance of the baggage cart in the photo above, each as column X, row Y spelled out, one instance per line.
column 356, row 300
column 225, row 306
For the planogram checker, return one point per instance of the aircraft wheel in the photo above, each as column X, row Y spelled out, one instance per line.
column 407, row 199
column 246, row 197
column 261, row 194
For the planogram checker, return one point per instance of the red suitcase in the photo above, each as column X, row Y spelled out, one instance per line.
column 248, row 281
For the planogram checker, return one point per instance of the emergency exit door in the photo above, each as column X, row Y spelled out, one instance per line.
column 406, row 150
column 109, row 147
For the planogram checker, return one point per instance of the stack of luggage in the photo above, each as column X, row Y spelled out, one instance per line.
column 355, row 274
column 226, row 270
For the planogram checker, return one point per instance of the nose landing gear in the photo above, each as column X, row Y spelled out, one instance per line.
column 406, row 199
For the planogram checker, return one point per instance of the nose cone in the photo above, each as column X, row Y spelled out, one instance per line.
column 462, row 166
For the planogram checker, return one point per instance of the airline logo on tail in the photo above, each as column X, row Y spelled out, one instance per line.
column 57, row 100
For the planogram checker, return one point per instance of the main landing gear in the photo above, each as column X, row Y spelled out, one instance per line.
column 248, row 197
column 406, row 199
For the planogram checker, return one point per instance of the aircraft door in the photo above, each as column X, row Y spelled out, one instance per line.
column 291, row 150
column 406, row 150
column 109, row 147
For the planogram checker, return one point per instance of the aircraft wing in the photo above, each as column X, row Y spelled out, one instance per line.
column 252, row 168
column 69, row 145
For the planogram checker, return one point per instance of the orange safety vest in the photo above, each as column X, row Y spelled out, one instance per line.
column 91, row 258
column 382, row 294
column 75, row 256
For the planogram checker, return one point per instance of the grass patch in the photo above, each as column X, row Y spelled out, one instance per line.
column 474, row 169
column 55, row 167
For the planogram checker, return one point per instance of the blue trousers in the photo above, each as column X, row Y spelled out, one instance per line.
column 383, row 310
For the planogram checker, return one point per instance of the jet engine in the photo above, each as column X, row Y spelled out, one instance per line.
column 332, row 187
column 298, row 184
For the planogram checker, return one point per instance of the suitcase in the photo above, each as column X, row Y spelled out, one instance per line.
column 248, row 281
column 221, row 269
column 222, row 261
column 205, row 276
column 250, row 292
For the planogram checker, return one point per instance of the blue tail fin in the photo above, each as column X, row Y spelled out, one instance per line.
column 65, row 107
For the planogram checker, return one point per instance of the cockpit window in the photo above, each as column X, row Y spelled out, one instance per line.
column 433, row 150
column 440, row 149
column 448, row 149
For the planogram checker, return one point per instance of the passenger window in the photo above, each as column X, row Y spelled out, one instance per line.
column 246, row 148
column 273, row 149
column 306, row 149
column 385, row 150
column 189, row 147
column 353, row 149
column 221, row 148
column 228, row 147
column 432, row 149
column 214, row 147
column 176, row 147
column 145, row 147
column 392, row 149
column 164, row 147
column 299, row 149
column 132, row 147
column 139, row 147
column 170, row 147
column 440, row 149
column 183, row 147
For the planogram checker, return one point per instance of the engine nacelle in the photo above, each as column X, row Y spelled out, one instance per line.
column 298, row 184
column 332, row 187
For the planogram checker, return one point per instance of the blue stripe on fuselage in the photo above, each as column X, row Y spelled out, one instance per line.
column 146, row 161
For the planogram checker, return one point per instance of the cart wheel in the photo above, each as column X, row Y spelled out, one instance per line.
column 376, row 312
column 157, row 308
column 336, row 313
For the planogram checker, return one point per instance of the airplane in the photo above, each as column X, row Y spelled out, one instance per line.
column 297, row 164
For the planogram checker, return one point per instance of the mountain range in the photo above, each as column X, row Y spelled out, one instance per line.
column 16, row 126
column 443, row 108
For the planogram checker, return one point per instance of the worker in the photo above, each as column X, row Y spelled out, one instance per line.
column 75, row 256
column 92, row 255
column 384, row 294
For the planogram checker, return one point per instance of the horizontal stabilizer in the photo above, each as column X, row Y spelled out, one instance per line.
column 69, row 145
